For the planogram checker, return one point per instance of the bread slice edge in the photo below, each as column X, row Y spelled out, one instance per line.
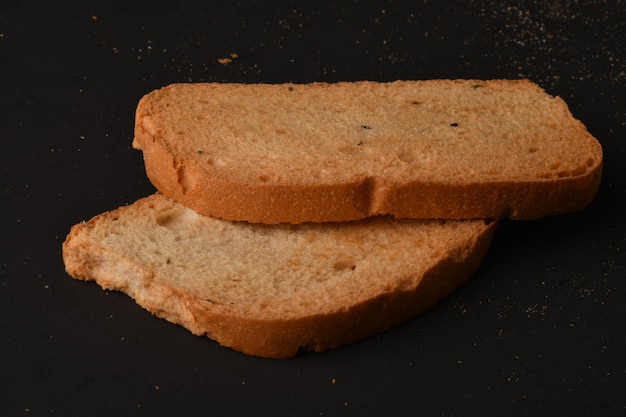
column 273, row 338
column 195, row 185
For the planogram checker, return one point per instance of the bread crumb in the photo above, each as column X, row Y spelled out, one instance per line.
column 228, row 60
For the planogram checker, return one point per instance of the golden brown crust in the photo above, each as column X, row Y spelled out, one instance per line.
column 212, row 196
column 283, row 339
column 277, row 335
column 189, row 181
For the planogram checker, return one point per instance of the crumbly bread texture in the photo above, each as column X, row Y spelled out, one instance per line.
column 452, row 149
column 273, row 290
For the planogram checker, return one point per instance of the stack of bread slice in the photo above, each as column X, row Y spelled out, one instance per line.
column 294, row 217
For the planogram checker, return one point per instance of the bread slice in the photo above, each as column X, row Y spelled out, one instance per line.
column 273, row 290
column 452, row 149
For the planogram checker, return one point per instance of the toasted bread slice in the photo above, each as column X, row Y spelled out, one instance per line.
column 453, row 149
column 273, row 290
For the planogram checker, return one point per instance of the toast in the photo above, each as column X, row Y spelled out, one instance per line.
column 275, row 290
column 451, row 149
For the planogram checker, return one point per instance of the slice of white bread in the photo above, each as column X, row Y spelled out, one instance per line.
column 273, row 290
column 452, row 149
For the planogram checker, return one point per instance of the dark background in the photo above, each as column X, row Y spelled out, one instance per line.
column 539, row 330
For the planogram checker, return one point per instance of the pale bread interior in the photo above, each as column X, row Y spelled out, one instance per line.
column 193, row 269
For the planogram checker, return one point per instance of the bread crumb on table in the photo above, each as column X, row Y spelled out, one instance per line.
column 228, row 60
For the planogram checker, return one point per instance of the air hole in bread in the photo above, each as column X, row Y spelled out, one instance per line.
column 217, row 162
column 344, row 264
column 264, row 178
column 533, row 149
column 182, row 178
column 163, row 220
column 176, row 220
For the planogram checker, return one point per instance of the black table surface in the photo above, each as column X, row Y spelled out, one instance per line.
column 539, row 330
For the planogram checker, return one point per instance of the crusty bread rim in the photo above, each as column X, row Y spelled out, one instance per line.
column 187, row 182
column 278, row 338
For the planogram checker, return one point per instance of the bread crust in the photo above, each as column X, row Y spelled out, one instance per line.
column 195, row 184
column 273, row 335
column 318, row 333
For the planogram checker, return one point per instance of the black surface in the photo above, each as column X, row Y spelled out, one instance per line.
column 540, row 329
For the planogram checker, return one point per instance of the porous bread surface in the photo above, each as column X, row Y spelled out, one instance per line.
column 270, row 290
column 334, row 152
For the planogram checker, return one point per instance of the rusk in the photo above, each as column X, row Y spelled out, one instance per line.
column 274, row 290
column 452, row 149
